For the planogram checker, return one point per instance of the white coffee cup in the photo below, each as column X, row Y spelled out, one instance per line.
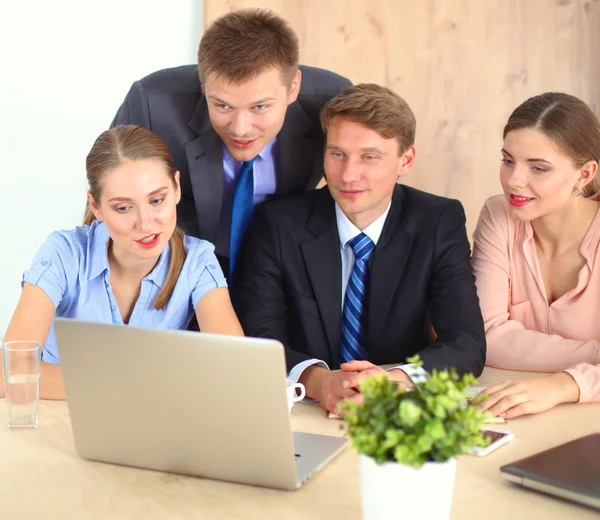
column 295, row 393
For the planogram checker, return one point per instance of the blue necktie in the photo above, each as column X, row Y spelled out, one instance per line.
column 241, row 212
column 354, row 317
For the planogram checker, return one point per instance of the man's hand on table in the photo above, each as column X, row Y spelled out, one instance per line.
column 359, row 370
column 325, row 386
column 331, row 388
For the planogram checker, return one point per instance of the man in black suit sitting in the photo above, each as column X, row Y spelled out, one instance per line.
column 365, row 272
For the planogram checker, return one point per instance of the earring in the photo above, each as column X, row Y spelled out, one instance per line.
column 577, row 192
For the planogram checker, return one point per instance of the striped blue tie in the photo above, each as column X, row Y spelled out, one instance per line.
column 354, row 316
column 241, row 212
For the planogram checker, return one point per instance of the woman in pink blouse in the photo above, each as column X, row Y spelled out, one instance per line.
column 537, row 261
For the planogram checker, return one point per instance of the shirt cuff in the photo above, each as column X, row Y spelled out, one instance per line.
column 416, row 374
column 35, row 276
column 295, row 373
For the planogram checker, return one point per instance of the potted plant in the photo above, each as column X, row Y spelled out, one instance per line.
column 407, row 440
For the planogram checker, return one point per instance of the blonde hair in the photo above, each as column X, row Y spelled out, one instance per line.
column 375, row 107
column 132, row 143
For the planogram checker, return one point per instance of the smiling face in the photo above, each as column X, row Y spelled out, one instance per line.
column 138, row 206
column 537, row 178
column 362, row 169
column 249, row 115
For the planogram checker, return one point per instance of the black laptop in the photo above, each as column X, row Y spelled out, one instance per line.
column 570, row 471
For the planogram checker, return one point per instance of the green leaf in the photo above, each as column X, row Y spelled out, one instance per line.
column 415, row 360
column 413, row 427
column 409, row 412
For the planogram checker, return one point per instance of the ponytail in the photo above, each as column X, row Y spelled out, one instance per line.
column 88, row 215
column 176, row 259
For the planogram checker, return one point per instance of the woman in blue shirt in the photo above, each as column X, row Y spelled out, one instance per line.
column 128, row 263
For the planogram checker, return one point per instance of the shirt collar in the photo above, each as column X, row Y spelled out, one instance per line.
column 98, row 238
column 265, row 154
column 347, row 230
column 98, row 250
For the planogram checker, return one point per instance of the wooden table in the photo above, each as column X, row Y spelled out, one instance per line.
column 41, row 476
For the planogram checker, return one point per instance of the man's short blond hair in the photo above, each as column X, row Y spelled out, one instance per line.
column 375, row 107
column 243, row 44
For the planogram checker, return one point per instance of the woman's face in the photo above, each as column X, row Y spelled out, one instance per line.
column 537, row 178
column 138, row 206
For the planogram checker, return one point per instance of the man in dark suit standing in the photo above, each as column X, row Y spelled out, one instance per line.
column 241, row 126
column 365, row 272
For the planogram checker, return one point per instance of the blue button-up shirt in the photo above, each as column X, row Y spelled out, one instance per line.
column 72, row 268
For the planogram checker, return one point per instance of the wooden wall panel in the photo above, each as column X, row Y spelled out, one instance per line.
column 462, row 65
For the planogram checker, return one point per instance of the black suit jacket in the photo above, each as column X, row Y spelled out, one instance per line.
column 420, row 276
column 170, row 103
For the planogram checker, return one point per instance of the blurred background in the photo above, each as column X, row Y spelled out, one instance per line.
column 462, row 65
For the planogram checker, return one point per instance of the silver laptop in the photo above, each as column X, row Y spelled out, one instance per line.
column 184, row 402
column 570, row 471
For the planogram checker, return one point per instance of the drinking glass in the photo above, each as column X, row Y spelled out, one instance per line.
column 22, row 364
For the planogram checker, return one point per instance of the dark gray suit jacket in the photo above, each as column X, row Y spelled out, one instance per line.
column 170, row 103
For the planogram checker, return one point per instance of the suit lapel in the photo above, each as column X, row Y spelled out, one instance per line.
column 205, row 161
column 387, row 266
column 297, row 152
column 323, row 263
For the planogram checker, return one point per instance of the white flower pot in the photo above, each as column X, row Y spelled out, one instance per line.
column 392, row 491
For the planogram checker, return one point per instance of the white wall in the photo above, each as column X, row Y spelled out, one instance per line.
column 65, row 68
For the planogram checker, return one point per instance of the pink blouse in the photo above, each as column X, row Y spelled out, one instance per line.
column 523, row 332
